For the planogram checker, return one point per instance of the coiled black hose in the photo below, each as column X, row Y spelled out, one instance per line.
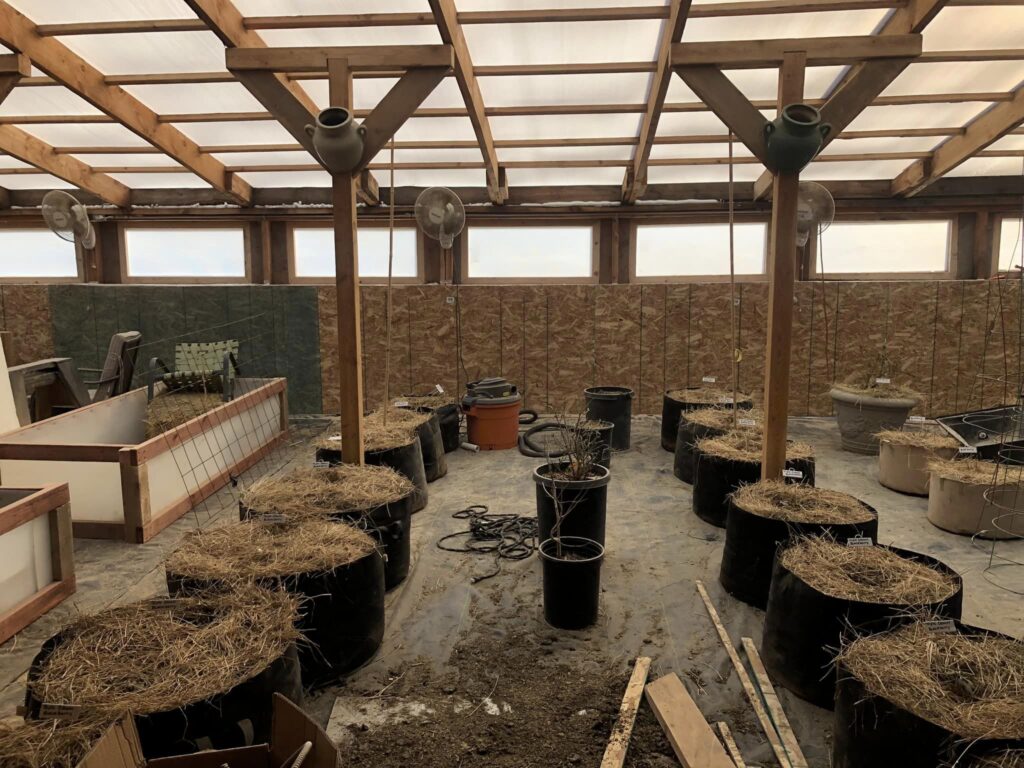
column 507, row 537
column 528, row 447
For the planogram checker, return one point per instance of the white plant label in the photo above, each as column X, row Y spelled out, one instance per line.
column 51, row 711
column 967, row 450
column 163, row 602
column 883, row 380
column 439, row 388
column 859, row 541
column 449, row 299
column 401, row 403
column 917, row 419
column 747, row 422
column 796, row 474
column 709, row 379
column 941, row 626
column 335, row 437
column 321, row 465
column 725, row 400
column 272, row 518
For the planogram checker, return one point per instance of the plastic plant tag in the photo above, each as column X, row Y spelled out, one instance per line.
column 401, row 403
column 163, row 602
column 272, row 518
column 746, row 422
column 725, row 399
column 859, row 541
column 883, row 380
column 796, row 474
column 967, row 450
column 941, row 626
column 321, row 465
column 51, row 711
column 709, row 379
column 439, row 388
column 335, row 437
column 917, row 419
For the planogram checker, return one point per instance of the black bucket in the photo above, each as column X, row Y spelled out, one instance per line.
column 716, row 477
column 572, row 585
column 803, row 628
column 603, row 435
column 870, row 731
column 406, row 460
column 448, row 418
column 672, row 410
column 585, row 503
column 614, row 404
column 236, row 718
column 435, row 465
column 751, row 541
column 686, row 441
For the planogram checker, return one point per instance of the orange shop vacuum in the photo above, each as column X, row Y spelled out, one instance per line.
column 492, row 414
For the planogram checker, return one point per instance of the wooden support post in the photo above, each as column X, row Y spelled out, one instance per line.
column 346, row 265
column 781, row 270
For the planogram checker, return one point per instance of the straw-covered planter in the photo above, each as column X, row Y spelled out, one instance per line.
column 765, row 514
column 334, row 569
column 863, row 412
column 822, row 589
column 376, row 499
column 930, row 694
column 707, row 422
column 726, row 462
column 904, row 456
column 197, row 670
column 435, row 465
column 977, row 498
column 678, row 401
column 394, row 444
column 48, row 743
column 448, row 415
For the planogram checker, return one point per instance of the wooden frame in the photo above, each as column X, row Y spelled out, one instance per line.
column 997, row 241
column 131, row 489
column 742, row 218
column 20, row 507
column 296, row 279
column 17, row 226
column 595, row 255
column 122, row 233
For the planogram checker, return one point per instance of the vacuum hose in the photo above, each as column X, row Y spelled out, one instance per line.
column 528, row 447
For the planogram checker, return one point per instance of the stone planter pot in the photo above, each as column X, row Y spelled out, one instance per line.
column 860, row 417
column 904, row 468
column 970, row 509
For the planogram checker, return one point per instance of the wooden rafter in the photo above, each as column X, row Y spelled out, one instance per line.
column 979, row 133
column 821, row 51
column 636, row 174
column 729, row 103
column 446, row 18
column 13, row 67
column 60, row 62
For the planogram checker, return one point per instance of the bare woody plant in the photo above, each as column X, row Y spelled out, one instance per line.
column 576, row 456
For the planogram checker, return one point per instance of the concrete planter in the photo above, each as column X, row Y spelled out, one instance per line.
column 976, row 510
column 860, row 417
column 904, row 468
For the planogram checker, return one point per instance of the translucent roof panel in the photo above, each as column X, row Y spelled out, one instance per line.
column 663, row 151
column 160, row 180
column 553, row 177
column 689, row 174
column 287, row 178
column 242, row 132
column 46, row 100
column 264, row 158
column 886, row 144
column 564, row 89
column 150, row 52
column 959, row 77
column 917, row 116
column 832, row 23
column 758, row 84
column 859, row 170
column 453, row 177
column 33, row 181
column 562, row 42
column 125, row 160
column 6, row 161
column 196, row 97
column 991, row 27
column 426, row 34
column 690, row 124
column 1015, row 141
column 85, row 134
column 51, row 12
column 565, row 126
column 309, row 7
column 522, row 5
column 458, row 155
column 368, row 91
column 990, row 166
column 513, row 154
column 436, row 129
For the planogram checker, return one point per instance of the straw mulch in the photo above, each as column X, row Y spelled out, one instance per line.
column 746, row 444
column 867, row 574
column 801, row 503
column 977, row 471
column 918, row 438
column 872, row 389
column 163, row 654
column 1007, row 758
column 973, row 686
column 309, row 492
column 399, row 430
column 172, row 409
column 48, row 743
column 705, row 396
column 253, row 551
column 435, row 400
column 722, row 418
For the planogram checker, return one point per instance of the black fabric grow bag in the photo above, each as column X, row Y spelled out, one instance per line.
column 341, row 616
column 870, row 731
column 686, row 447
column 614, row 404
column 803, row 628
column 235, row 718
column 448, row 418
column 672, row 410
column 716, row 477
column 572, row 586
column 407, row 460
column 751, row 541
column 435, row 465
column 585, row 502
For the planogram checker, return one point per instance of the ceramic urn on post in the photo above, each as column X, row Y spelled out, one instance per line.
column 338, row 140
column 794, row 138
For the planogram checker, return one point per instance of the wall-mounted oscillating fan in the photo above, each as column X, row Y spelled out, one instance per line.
column 440, row 214
column 815, row 210
column 68, row 219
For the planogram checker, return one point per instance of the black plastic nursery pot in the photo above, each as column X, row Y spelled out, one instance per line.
column 751, row 541
column 584, row 504
column 686, row 451
column 435, row 465
column 448, row 418
column 235, row 718
column 672, row 410
column 604, row 436
column 572, row 581
column 804, row 628
column 614, row 404
column 341, row 616
column 407, row 460
column 716, row 477
column 869, row 731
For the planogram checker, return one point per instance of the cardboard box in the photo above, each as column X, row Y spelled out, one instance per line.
column 120, row 748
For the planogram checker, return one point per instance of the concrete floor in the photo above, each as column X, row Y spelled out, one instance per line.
column 656, row 549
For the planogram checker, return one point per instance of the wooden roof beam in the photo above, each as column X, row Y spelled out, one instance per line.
column 635, row 180
column 979, row 133
column 53, row 57
column 13, row 67
column 361, row 58
column 821, row 51
column 446, row 18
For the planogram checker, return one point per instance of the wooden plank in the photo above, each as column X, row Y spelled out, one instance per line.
column 27, row 611
column 618, row 743
column 748, row 687
column 688, row 732
column 94, row 529
column 821, row 51
column 730, row 744
column 14, row 451
column 62, row 545
column 13, row 67
column 39, row 502
column 731, row 106
column 774, row 706
column 361, row 58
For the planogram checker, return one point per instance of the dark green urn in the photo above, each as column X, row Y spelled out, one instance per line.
column 794, row 138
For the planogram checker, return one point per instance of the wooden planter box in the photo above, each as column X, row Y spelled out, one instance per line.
column 37, row 568
column 126, row 487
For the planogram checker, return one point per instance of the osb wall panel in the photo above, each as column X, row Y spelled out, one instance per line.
column 824, row 346
column 800, row 359
column 327, row 311
column 537, row 352
column 677, row 338
column 26, row 315
column 618, row 322
column 711, row 345
column 1002, row 358
column 911, row 326
column 753, row 338
column 481, row 319
column 973, row 340
column 512, row 364
column 652, row 348
column 571, row 345
column 946, row 343
column 433, row 358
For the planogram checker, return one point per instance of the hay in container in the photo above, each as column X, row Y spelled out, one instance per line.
column 310, row 492
column 970, row 685
column 433, row 400
column 866, row 574
column 872, row 388
column 792, row 503
column 722, row 418
column 976, row 471
column 252, row 551
column 930, row 440
column 1004, row 758
column 705, row 396
column 377, row 436
column 745, row 445
column 164, row 654
column 48, row 743
column 172, row 409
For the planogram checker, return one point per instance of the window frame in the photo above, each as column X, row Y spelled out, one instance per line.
column 43, row 280
column 128, row 278
column 296, row 279
column 952, row 249
column 740, row 218
column 997, row 242
column 595, row 252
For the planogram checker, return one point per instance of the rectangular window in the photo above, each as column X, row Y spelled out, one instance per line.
column 1011, row 244
column 558, row 253
column 313, row 250
column 699, row 250
column 205, row 253
column 884, row 247
column 36, row 254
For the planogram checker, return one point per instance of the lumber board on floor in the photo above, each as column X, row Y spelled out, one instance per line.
column 692, row 739
column 618, row 743
column 730, row 744
column 771, row 701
